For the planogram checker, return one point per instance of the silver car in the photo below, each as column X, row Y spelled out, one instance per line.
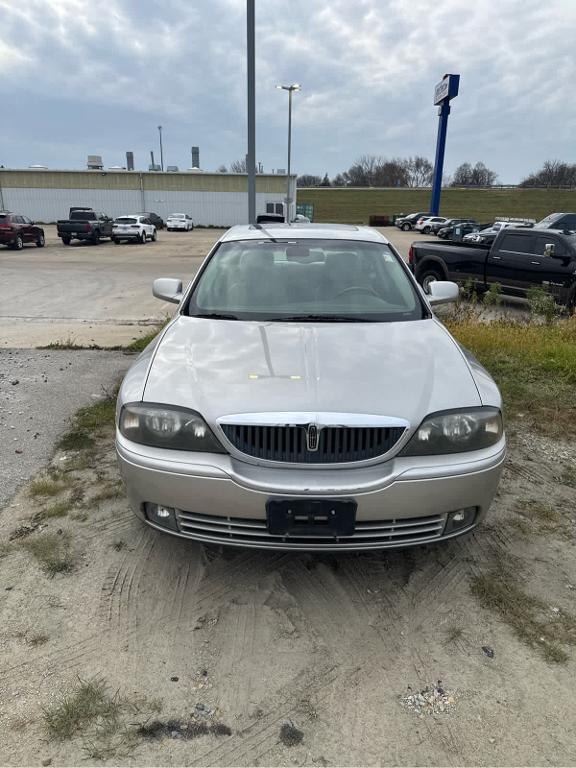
column 306, row 397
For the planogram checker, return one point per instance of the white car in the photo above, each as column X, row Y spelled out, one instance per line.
column 179, row 221
column 424, row 224
column 133, row 227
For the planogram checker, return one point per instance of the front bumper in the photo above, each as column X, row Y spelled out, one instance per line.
column 221, row 500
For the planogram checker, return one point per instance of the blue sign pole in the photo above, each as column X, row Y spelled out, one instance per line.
column 444, row 91
column 444, row 111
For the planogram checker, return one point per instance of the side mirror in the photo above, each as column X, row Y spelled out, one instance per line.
column 167, row 289
column 550, row 249
column 442, row 292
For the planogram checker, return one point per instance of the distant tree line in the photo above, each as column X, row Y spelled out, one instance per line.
column 377, row 171
column 554, row 173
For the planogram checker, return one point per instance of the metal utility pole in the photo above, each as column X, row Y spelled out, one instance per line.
column 444, row 91
column 161, row 150
column 290, row 89
column 251, row 88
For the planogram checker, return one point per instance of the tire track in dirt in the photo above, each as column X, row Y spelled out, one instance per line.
column 243, row 747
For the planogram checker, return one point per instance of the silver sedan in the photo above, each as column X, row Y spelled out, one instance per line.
column 306, row 397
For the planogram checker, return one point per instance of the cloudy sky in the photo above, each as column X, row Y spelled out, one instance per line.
column 98, row 76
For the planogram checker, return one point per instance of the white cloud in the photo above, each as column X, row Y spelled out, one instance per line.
column 367, row 70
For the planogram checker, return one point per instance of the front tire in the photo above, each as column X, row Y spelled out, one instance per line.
column 18, row 243
column 66, row 240
column 428, row 276
column 40, row 241
column 426, row 230
column 96, row 238
column 143, row 237
column 154, row 236
column 405, row 227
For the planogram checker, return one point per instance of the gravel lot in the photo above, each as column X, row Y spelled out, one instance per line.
column 39, row 391
column 100, row 294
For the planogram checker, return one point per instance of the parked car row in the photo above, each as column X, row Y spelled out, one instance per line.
column 17, row 230
column 515, row 255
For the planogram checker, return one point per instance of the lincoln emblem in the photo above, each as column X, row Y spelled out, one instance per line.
column 312, row 437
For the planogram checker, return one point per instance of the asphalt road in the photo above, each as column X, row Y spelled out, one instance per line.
column 40, row 390
column 99, row 294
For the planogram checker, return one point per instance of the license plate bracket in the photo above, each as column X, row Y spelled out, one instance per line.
column 330, row 518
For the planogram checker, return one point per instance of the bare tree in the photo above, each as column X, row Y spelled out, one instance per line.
column 222, row 169
column 553, row 173
column 419, row 171
column 309, row 180
column 238, row 166
column 339, row 180
column 478, row 175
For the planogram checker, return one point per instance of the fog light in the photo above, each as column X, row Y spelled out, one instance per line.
column 460, row 518
column 161, row 515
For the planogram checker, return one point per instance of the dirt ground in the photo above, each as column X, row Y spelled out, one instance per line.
column 230, row 657
column 289, row 659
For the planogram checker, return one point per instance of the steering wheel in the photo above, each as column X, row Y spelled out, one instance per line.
column 363, row 288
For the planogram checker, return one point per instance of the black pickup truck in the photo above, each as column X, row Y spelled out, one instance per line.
column 517, row 260
column 84, row 224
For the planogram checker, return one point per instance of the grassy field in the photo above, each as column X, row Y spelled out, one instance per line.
column 354, row 206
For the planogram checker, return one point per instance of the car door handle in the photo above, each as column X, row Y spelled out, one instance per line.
column 535, row 262
column 496, row 258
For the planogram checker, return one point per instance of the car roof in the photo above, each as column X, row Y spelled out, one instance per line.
column 303, row 231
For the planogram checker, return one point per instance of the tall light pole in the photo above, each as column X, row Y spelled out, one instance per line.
column 251, row 108
column 161, row 150
column 290, row 89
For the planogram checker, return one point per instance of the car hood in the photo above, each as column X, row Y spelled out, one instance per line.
column 221, row 367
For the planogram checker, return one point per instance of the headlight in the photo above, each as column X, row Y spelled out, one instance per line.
column 163, row 426
column 456, row 431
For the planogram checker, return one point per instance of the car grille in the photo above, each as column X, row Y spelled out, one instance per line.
column 289, row 443
column 373, row 534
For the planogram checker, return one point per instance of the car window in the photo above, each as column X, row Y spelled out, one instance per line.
column 543, row 240
column 517, row 243
column 264, row 280
column 566, row 222
column 126, row 220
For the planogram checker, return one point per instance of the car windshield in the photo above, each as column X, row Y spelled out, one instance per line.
column 126, row 220
column 300, row 280
column 177, row 216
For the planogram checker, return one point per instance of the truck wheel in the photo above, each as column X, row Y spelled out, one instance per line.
column 66, row 240
column 18, row 243
column 96, row 237
column 405, row 227
column 40, row 241
column 429, row 275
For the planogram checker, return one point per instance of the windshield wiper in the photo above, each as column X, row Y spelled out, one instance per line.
column 216, row 316
column 326, row 319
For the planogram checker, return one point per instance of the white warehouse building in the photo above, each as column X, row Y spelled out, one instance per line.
column 211, row 199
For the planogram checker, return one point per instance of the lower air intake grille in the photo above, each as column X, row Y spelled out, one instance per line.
column 293, row 443
column 249, row 532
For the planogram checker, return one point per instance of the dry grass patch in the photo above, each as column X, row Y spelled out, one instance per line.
column 103, row 718
column 60, row 509
column 89, row 423
column 534, row 365
column 49, row 485
column 52, row 551
column 530, row 618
